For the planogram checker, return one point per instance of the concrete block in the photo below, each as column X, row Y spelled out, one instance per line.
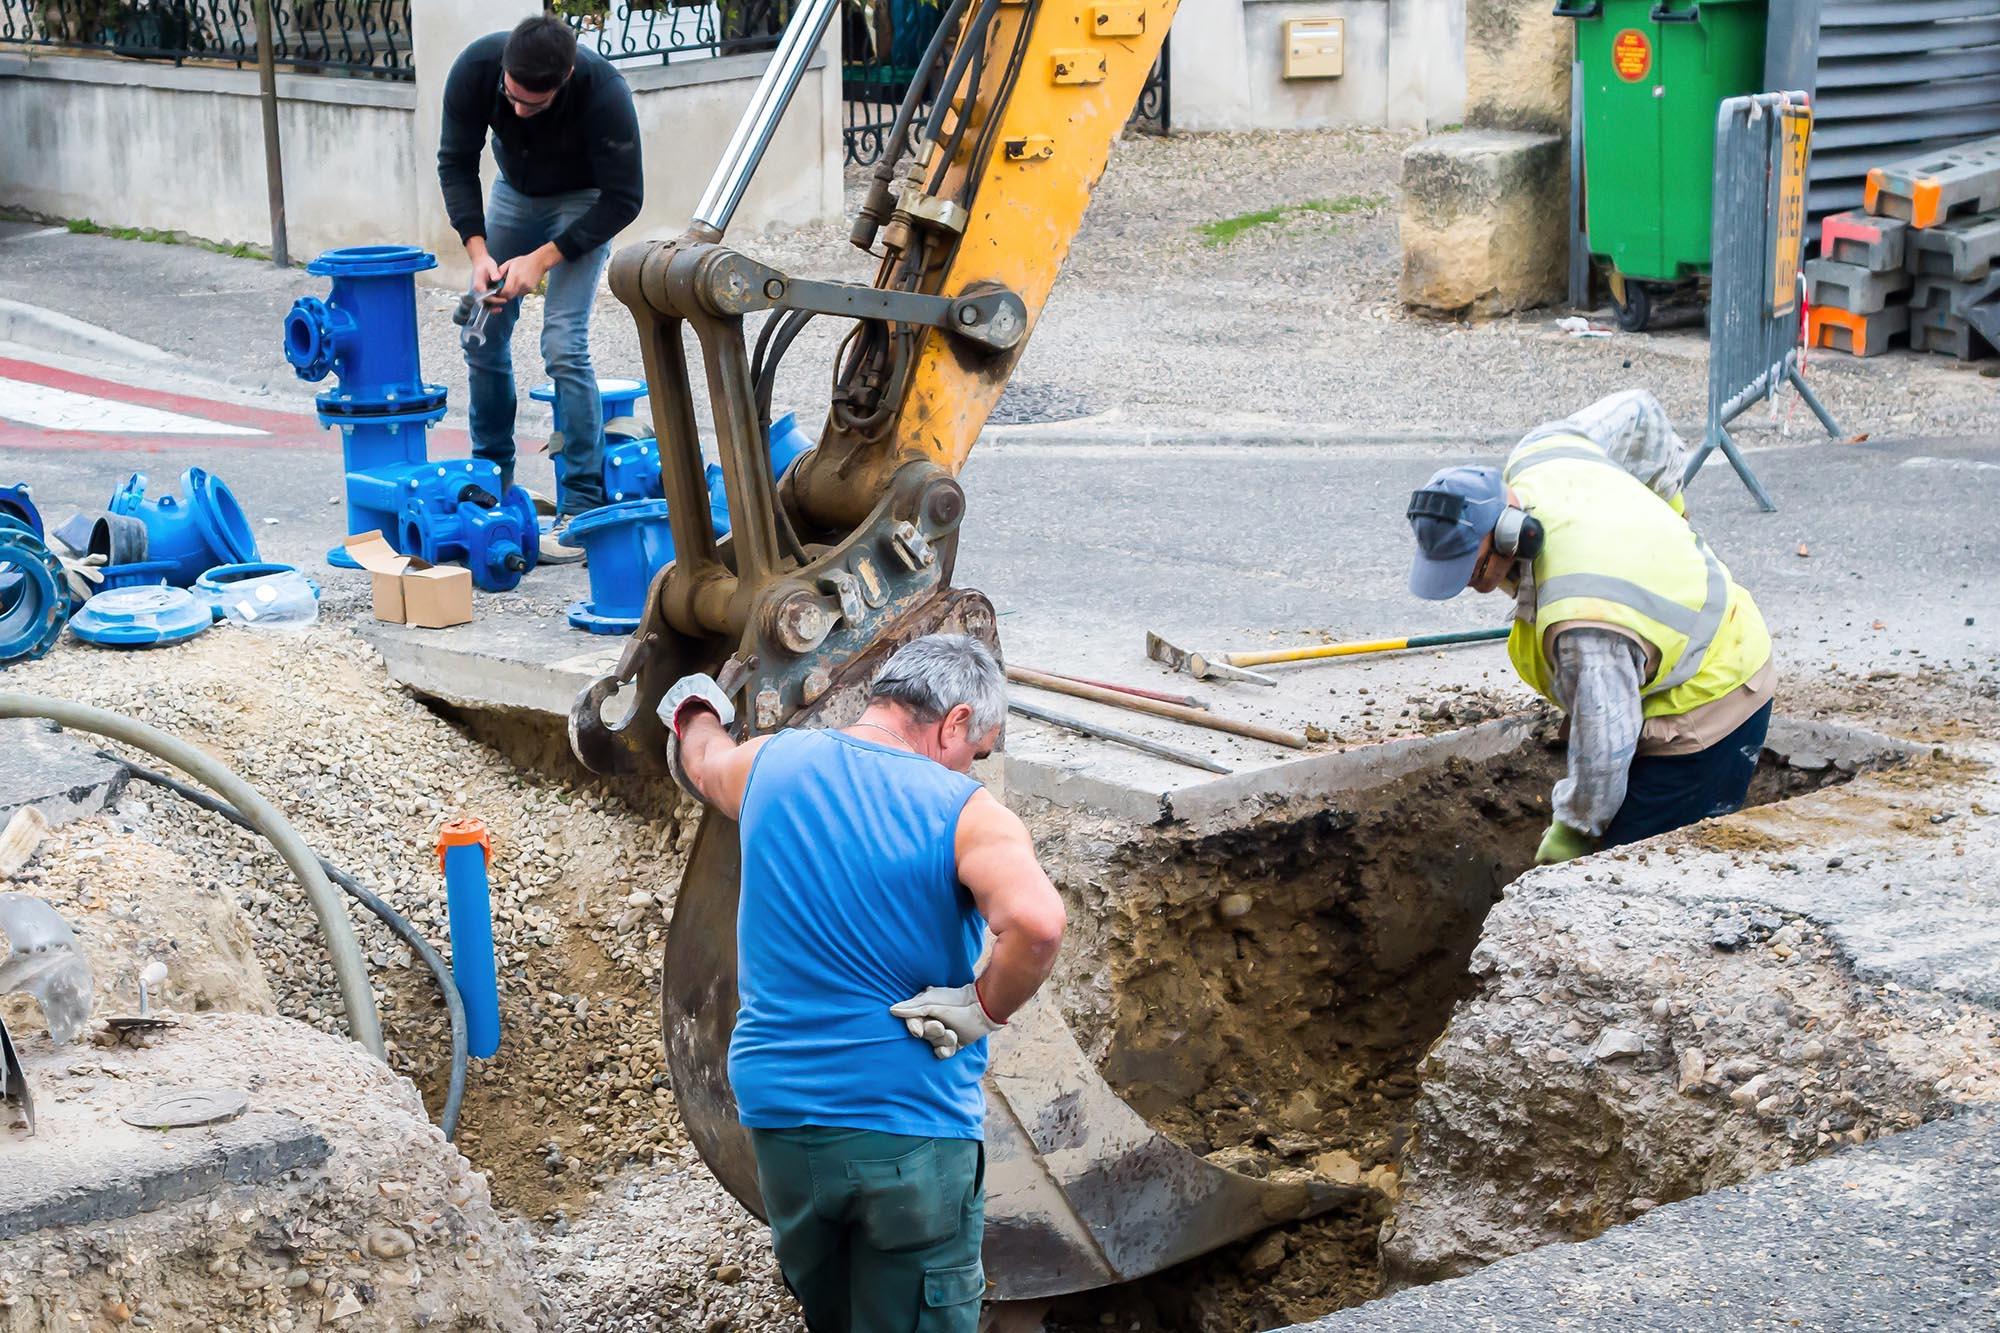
column 60, row 774
column 1857, row 334
column 1936, row 329
column 1517, row 58
column 1876, row 244
column 1485, row 227
column 1963, row 248
column 1850, row 287
column 1926, row 190
column 66, row 1189
column 1953, row 296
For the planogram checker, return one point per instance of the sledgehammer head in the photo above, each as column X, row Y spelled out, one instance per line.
column 1196, row 665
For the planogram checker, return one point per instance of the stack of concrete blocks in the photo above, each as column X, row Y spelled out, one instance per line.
column 1485, row 210
column 1920, row 261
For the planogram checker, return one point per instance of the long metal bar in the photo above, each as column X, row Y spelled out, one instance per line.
column 1143, row 744
column 760, row 120
column 274, row 165
column 1255, row 731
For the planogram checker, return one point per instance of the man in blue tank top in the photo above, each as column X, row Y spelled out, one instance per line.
column 872, row 865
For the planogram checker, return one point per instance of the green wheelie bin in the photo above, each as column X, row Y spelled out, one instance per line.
column 1655, row 73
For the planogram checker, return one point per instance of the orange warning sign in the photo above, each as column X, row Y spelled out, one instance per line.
column 1631, row 55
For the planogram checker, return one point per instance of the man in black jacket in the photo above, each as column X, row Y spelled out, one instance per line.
column 567, row 144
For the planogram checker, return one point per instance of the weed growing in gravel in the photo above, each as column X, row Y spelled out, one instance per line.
column 1224, row 230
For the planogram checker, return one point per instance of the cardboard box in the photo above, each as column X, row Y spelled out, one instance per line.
column 409, row 591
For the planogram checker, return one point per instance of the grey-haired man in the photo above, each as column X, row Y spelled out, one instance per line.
column 873, row 864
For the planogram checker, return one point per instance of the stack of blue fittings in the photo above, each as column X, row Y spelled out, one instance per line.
column 34, row 596
column 447, row 511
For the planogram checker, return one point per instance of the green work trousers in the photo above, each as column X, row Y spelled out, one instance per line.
column 876, row 1233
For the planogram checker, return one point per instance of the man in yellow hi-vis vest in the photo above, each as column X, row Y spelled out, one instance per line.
column 1623, row 618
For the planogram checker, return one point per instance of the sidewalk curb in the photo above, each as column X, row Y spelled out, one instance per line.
column 53, row 331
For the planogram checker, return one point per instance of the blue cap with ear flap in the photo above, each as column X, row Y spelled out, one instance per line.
column 1451, row 515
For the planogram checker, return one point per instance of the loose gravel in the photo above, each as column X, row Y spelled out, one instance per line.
column 572, row 1120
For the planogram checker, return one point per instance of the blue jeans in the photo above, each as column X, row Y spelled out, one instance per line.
column 1670, row 791
column 515, row 225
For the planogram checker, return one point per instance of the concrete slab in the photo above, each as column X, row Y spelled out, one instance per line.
column 61, row 775
column 53, row 1181
column 1902, row 1233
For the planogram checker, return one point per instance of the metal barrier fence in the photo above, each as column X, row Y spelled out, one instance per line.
column 367, row 38
column 1762, row 145
column 665, row 33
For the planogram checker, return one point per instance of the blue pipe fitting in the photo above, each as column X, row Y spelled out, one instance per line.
column 616, row 398
column 34, row 596
column 201, row 527
column 16, row 502
column 365, row 333
column 463, row 848
column 137, row 617
column 632, row 467
column 625, row 546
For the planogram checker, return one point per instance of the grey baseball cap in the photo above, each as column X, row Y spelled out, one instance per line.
column 1451, row 515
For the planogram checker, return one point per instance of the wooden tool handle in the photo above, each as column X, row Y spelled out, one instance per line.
column 1041, row 680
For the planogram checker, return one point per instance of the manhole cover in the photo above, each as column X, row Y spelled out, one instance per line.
column 185, row 1107
column 1028, row 404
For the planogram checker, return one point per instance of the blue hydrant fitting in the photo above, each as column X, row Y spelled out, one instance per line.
column 462, row 851
column 34, row 595
column 632, row 466
column 18, row 503
column 201, row 527
column 365, row 333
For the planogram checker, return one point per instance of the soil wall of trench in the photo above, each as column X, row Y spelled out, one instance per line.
column 1267, row 995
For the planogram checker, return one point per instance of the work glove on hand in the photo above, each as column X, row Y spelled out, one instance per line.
column 950, row 1018
column 691, row 695
column 1563, row 843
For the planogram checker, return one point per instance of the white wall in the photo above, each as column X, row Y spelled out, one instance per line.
column 1404, row 66
column 133, row 144
column 141, row 144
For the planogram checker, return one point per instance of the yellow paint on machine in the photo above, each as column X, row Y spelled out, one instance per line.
column 1029, row 202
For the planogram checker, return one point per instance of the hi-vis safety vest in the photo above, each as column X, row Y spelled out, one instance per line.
column 1613, row 551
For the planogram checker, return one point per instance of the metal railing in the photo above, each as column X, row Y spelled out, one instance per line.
column 1762, row 145
column 671, row 31
column 367, row 38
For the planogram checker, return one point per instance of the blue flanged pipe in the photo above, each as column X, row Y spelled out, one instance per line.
column 201, row 527
column 34, row 598
column 625, row 546
column 18, row 503
column 632, row 467
column 365, row 333
column 463, row 848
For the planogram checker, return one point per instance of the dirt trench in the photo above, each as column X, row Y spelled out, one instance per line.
column 1265, row 994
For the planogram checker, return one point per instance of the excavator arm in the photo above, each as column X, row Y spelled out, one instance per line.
column 981, row 186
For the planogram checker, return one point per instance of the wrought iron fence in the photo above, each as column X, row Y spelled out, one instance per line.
column 669, row 31
column 368, row 38
column 872, row 90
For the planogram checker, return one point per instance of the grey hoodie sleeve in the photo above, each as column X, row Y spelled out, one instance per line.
column 1598, row 675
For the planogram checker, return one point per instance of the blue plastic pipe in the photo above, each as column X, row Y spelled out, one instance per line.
column 462, row 851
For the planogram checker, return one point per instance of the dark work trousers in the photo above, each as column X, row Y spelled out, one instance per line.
column 876, row 1233
column 1670, row 791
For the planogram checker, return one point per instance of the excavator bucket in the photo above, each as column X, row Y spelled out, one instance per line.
column 1080, row 1191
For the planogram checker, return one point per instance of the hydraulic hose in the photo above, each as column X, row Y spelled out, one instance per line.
column 363, row 1023
column 390, row 917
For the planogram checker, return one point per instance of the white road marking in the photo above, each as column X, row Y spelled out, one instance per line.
column 59, row 409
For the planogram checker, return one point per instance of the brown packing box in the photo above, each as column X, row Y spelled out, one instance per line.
column 409, row 591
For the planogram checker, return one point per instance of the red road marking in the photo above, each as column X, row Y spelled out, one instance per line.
column 285, row 430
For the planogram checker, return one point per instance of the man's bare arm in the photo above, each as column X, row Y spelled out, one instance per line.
column 717, row 763
column 997, row 865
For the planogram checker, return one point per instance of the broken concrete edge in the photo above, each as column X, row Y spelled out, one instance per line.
column 63, row 776
column 1842, row 1236
column 255, row 1148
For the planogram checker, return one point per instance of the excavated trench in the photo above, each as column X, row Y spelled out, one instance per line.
column 1263, row 995
column 1263, row 992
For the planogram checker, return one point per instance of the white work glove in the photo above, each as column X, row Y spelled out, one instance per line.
column 83, row 574
column 950, row 1018
column 690, row 695
column 693, row 692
